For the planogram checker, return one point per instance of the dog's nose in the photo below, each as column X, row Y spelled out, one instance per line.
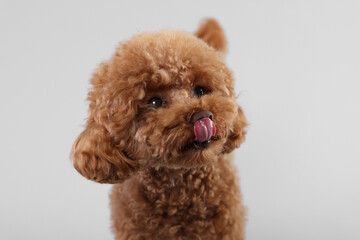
column 200, row 115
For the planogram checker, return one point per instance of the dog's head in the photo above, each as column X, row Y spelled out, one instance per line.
column 164, row 100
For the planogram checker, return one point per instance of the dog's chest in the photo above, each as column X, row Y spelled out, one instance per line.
column 183, row 194
column 168, row 203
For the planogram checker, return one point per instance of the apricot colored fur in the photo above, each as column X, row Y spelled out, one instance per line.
column 165, row 189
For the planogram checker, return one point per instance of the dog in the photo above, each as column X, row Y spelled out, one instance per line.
column 163, row 122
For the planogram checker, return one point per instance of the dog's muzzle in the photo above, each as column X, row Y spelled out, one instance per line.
column 204, row 127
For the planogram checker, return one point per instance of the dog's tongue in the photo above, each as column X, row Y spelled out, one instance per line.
column 204, row 129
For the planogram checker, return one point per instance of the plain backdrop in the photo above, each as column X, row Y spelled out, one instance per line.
column 297, row 70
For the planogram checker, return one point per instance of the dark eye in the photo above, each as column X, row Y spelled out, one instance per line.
column 199, row 91
column 155, row 102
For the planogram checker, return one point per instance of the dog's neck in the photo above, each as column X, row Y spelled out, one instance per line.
column 183, row 185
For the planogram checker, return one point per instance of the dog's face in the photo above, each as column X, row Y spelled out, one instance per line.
column 163, row 100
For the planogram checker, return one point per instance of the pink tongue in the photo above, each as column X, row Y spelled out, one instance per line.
column 204, row 129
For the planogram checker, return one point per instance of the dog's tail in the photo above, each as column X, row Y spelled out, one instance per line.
column 211, row 32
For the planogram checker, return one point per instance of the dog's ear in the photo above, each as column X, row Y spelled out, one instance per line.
column 95, row 155
column 211, row 32
column 237, row 133
column 98, row 159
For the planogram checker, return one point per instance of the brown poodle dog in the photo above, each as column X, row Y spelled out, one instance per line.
column 162, row 123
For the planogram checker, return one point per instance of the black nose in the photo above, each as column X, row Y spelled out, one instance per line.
column 200, row 115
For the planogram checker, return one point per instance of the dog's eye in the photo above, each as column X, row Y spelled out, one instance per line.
column 199, row 91
column 155, row 102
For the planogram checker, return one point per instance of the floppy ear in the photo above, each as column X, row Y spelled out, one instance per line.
column 211, row 32
column 237, row 133
column 94, row 153
column 98, row 159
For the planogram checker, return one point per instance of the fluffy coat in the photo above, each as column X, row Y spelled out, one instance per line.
column 165, row 186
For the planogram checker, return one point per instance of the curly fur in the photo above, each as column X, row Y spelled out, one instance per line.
column 165, row 189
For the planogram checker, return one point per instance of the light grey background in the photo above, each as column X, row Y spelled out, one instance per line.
column 297, row 73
